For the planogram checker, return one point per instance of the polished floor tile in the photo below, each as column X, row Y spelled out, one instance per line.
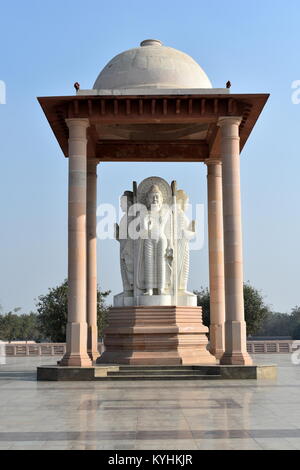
column 228, row 444
column 167, row 444
column 275, row 444
column 230, row 415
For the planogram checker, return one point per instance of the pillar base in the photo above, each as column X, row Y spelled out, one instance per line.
column 167, row 335
column 93, row 355
column 92, row 342
column 78, row 360
column 216, row 334
column 236, row 344
column 218, row 353
column 236, row 359
column 76, row 354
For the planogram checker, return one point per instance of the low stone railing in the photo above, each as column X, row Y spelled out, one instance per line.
column 59, row 349
column 272, row 346
column 36, row 349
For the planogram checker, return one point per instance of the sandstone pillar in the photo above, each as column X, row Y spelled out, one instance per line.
column 91, row 305
column 235, row 326
column 216, row 258
column 76, row 354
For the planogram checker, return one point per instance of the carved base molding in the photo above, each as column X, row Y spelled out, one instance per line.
column 167, row 335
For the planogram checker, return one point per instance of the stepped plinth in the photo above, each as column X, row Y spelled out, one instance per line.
column 166, row 335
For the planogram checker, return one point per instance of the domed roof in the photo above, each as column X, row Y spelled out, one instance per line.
column 152, row 65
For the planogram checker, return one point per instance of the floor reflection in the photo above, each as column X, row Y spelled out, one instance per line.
column 143, row 415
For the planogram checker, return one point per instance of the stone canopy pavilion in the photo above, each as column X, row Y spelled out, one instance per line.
column 155, row 104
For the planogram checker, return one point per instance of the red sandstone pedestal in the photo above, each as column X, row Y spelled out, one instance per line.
column 165, row 335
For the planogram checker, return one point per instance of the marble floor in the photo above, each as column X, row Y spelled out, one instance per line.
column 240, row 414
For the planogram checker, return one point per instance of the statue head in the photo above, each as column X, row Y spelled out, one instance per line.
column 154, row 198
column 126, row 200
column 182, row 199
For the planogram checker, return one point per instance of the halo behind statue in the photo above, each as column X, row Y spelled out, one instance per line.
column 147, row 183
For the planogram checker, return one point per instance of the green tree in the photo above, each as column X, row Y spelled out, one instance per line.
column 255, row 308
column 282, row 324
column 10, row 326
column 102, row 310
column 296, row 332
column 52, row 311
column 203, row 300
column 276, row 324
column 29, row 328
column 295, row 322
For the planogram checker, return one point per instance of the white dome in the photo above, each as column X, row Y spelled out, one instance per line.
column 152, row 66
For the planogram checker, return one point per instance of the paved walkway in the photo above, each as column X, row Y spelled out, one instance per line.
column 149, row 415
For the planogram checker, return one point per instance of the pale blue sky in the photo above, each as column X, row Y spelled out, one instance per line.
column 48, row 45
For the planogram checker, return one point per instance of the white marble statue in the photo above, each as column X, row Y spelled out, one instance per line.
column 186, row 231
column 126, row 244
column 154, row 244
column 155, row 261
